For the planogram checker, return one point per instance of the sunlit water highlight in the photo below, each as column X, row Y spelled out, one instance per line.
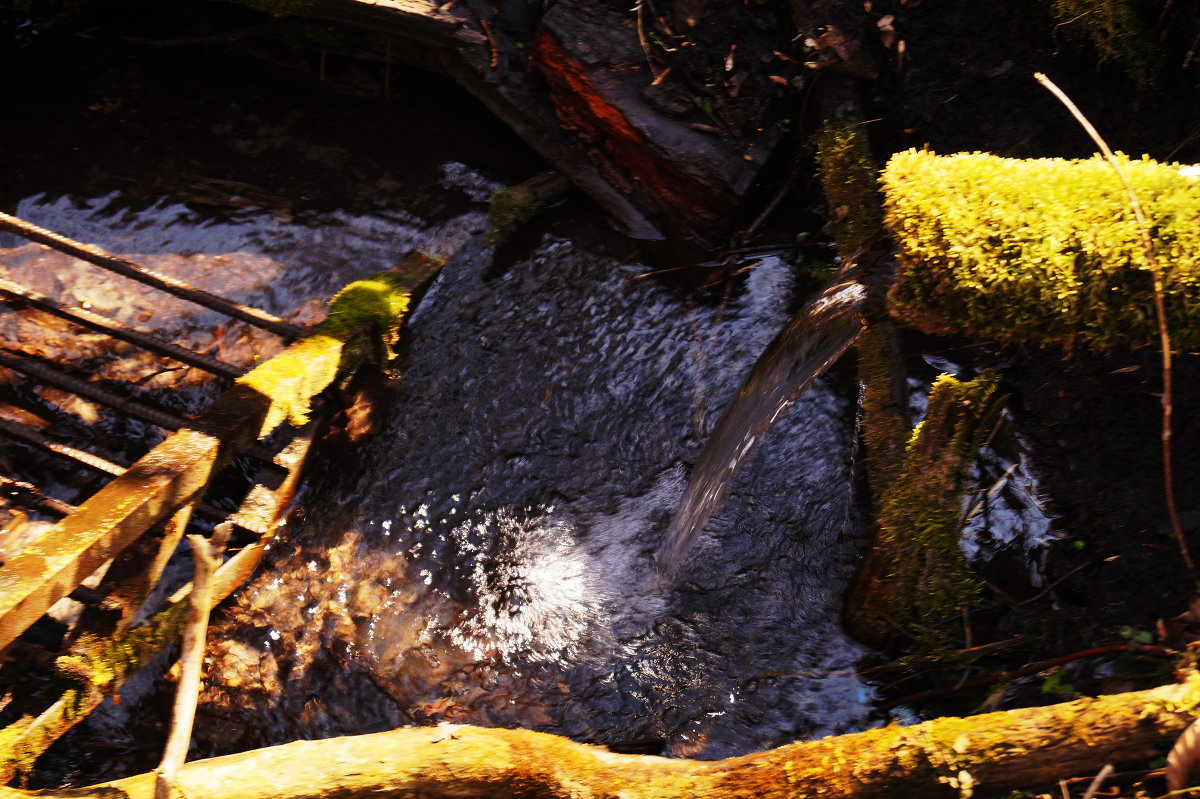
column 806, row 347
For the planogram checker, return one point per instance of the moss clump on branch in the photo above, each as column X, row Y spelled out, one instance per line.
column 363, row 324
column 1112, row 26
column 1042, row 250
column 918, row 576
column 95, row 667
column 848, row 181
column 509, row 210
column 513, row 207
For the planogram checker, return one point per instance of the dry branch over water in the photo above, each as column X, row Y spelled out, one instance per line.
column 988, row 754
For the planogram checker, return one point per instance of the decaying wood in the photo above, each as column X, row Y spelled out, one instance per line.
column 989, row 754
column 567, row 78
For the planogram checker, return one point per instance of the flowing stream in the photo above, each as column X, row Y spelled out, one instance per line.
column 556, row 523
column 489, row 555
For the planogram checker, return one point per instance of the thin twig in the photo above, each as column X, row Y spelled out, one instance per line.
column 1160, row 313
column 1104, row 774
column 206, row 557
column 641, row 34
column 787, row 188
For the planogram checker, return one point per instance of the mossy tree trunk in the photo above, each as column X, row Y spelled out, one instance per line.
column 986, row 755
column 913, row 574
column 916, row 575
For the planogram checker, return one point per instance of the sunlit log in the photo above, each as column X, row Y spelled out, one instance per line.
column 988, row 755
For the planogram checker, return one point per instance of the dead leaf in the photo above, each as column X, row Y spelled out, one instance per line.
column 836, row 51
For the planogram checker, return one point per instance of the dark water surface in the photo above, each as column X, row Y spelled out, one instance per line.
column 489, row 556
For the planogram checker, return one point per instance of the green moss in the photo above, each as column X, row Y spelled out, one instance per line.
column 928, row 578
column 1113, row 27
column 1043, row 250
column 95, row 667
column 915, row 575
column 509, row 210
column 376, row 304
column 848, row 180
column 363, row 324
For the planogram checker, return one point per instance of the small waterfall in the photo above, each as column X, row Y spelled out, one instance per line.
column 803, row 351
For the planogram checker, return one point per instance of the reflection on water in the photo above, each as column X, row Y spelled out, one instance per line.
column 489, row 556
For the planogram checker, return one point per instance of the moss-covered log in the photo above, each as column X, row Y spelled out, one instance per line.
column 1042, row 251
column 511, row 208
column 914, row 572
column 848, row 182
column 985, row 755
column 916, row 575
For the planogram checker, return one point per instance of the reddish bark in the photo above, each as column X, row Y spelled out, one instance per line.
column 588, row 102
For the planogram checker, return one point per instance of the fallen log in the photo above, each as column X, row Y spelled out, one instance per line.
column 571, row 79
column 982, row 755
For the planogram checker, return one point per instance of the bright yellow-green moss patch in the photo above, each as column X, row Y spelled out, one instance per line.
column 377, row 303
column 1042, row 250
column 363, row 322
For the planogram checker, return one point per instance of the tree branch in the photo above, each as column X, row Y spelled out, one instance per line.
column 995, row 753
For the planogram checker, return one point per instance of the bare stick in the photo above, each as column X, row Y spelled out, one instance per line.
column 97, row 256
column 1160, row 313
column 642, row 40
column 1104, row 774
column 206, row 556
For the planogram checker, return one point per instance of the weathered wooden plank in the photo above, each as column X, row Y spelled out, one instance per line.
column 49, row 568
column 173, row 474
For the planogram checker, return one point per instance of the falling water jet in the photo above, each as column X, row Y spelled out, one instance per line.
column 803, row 351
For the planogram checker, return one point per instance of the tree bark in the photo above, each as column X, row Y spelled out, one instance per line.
column 991, row 754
